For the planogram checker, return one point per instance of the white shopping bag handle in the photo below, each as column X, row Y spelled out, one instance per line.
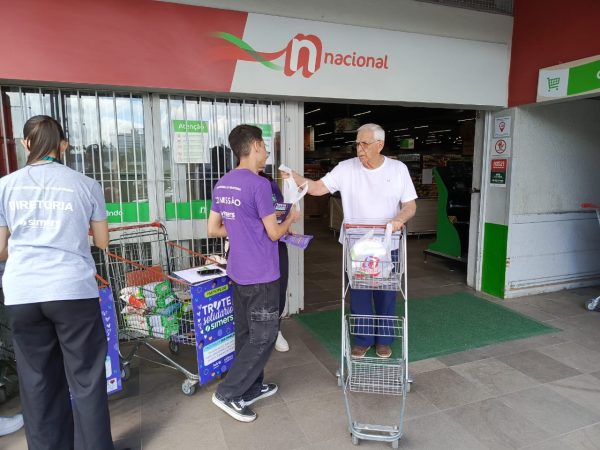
column 291, row 191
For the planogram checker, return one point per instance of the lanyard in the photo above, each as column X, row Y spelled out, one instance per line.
column 50, row 158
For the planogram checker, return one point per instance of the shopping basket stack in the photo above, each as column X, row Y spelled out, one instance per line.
column 373, row 375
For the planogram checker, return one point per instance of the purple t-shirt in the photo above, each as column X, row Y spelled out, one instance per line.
column 243, row 199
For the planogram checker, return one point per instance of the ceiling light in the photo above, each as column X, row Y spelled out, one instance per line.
column 314, row 110
column 421, row 126
column 465, row 120
column 339, row 138
column 441, row 131
column 325, row 134
column 361, row 113
column 322, row 123
column 400, row 129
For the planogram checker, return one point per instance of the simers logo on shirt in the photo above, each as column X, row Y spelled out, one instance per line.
column 226, row 215
column 44, row 223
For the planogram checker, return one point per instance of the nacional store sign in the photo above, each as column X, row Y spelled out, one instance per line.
column 292, row 57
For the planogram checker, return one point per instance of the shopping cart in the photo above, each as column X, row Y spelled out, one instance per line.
column 153, row 304
column 374, row 375
column 594, row 304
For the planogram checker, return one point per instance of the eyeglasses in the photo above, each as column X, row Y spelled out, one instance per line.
column 365, row 144
column 268, row 153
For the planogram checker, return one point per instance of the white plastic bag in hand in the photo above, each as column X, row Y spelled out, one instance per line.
column 292, row 193
column 372, row 256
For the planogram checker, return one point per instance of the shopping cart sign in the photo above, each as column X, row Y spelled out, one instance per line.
column 553, row 84
column 214, row 328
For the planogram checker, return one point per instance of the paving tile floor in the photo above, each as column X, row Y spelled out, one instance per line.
column 540, row 393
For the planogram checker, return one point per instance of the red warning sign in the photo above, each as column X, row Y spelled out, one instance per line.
column 501, row 147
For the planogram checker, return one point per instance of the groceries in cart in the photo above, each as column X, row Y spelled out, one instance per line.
column 372, row 255
column 153, row 309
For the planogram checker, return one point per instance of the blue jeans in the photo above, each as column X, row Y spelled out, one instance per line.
column 256, row 315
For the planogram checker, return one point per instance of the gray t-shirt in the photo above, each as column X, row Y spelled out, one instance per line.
column 48, row 209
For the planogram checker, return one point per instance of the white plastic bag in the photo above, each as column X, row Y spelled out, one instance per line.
column 292, row 193
column 372, row 256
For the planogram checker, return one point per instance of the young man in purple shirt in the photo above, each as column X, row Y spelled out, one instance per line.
column 242, row 209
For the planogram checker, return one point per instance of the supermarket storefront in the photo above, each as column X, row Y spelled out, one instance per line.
column 148, row 91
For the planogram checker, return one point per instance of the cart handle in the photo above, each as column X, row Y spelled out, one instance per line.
column 191, row 252
column 149, row 269
column 131, row 227
column 590, row 206
column 363, row 225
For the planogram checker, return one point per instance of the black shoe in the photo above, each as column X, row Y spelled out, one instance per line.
column 266, row 391
column 238, row 410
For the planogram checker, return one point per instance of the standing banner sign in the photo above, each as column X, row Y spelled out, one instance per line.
column 112, row 364
column 212, row 302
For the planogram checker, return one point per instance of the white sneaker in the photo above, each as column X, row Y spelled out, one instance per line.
column 10, row 424
column 281, row 345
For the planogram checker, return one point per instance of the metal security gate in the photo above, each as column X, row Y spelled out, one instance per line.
column 157, row 157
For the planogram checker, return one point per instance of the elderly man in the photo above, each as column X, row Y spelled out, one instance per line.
column 373, row 188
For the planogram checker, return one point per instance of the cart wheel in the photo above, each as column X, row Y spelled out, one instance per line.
column 355, row 440
column 395, row 443
column 408, row 385
column 173, row 347
column 2, row 395
column 125, row 372
column 188, row 387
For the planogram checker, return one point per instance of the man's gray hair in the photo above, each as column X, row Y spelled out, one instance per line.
column 378, row 132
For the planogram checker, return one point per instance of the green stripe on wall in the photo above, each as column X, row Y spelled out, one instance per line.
column 494, row 259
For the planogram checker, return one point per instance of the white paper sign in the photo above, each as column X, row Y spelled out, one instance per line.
column 190, row 142
column 501, row 147
column 502, row 126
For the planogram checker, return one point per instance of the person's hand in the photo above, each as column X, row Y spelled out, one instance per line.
column 285, row 175
column 397, row 225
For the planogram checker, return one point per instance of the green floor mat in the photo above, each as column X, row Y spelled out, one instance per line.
column 439, row 326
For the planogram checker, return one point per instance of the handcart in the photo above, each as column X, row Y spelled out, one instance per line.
column 374, row 375
column 154, row 304
column 593, row 304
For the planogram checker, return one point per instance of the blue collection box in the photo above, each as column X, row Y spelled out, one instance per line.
column 212, row 303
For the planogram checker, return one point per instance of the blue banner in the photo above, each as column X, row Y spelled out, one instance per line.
column 215, row 334
column 112, row 363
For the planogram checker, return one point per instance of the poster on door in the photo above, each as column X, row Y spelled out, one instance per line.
column 498, row 172
column 190, row 142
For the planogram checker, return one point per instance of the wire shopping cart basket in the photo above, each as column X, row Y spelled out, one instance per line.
column 593, row 304
column 374, row 375
column 153, row 304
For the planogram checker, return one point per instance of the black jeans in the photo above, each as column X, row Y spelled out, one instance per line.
column 60, row 348
column 284, row 268
column 256, row 314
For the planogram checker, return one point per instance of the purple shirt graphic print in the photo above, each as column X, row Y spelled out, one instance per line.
column 243, row 199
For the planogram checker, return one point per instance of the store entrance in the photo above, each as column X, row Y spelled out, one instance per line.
column 438, row 147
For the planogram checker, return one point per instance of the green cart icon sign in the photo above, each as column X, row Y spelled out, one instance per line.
column 553, row 84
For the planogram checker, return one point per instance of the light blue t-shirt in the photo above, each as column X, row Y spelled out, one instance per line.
column 48, row 209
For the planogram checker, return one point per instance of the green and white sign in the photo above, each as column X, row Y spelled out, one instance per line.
column 128, row 212
column 196, row 209
column 190, row 142
column 569, row 80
